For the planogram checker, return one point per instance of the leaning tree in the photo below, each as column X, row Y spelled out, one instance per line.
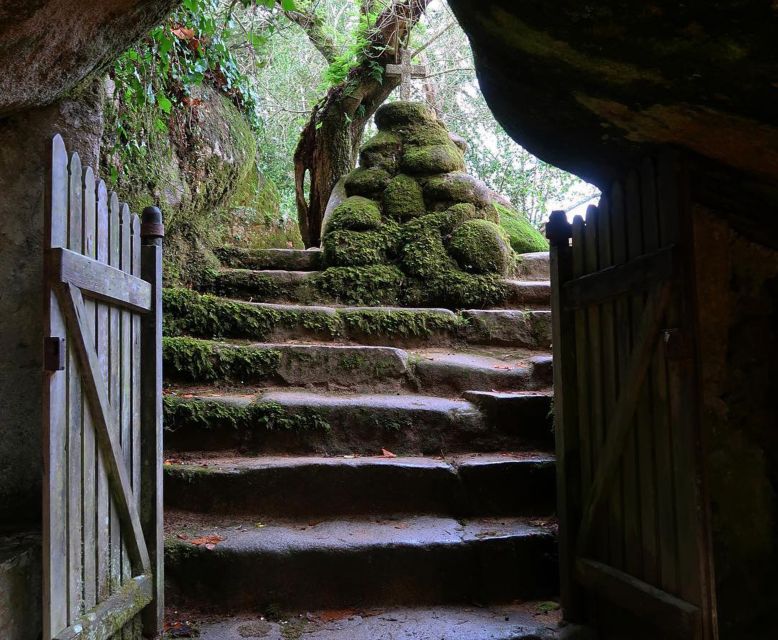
column 329, row 142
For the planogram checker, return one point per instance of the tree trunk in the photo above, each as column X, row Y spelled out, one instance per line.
column 330, row 141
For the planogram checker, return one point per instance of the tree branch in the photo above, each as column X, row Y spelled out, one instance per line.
column 313, row 25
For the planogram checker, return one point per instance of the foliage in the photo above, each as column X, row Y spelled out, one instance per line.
column 358, row 50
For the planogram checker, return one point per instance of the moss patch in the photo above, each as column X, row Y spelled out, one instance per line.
column 438, row 158
column 193, row 360
column 401, row 323
column 354, row 214
column 403, row 114
column 371, row 285
column 187, row 413
column 403, row 198
column 479, row 247
column 366, row 181
column 206, row 316
column 524, row 238
column 355, row 248
column 381, row 151
column 241, row 282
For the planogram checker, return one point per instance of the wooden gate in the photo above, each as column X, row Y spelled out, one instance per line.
column 634, row 533
column 102, row 411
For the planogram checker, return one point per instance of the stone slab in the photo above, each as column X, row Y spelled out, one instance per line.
column 533, row 266
column 287, row 259
column 528, row 621
column 510, row 327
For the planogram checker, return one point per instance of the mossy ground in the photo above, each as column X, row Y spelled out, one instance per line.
column 193, row 360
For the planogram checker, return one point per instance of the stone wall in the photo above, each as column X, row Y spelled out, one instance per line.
column 737, row 283
column 25, row 142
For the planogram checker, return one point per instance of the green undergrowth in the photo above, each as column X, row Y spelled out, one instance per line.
column 180, row 413
column 193, row 360
column 187, row 312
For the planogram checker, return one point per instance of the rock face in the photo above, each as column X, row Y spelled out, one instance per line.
column 413, row 218
column 48, row 46
column 588, row 87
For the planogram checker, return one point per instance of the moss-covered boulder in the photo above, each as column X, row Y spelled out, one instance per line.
column 409, row 225
column 403, row 198
column 354, row 214
column 523, row 237
column 366, row 181
column 479, row 246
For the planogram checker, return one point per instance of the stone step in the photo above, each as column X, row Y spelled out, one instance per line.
column 533, row 266
column 525, row 413
column 357, row 562
column 287, row 259
column 293, row 422
column 524, row 621
column 463, row 486
column 352, row 367
column 300, row 286
column 206, row 316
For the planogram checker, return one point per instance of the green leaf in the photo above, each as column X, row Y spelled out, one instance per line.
column 164, row 103
column 287, row 5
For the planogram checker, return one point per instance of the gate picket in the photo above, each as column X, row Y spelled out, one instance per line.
column 98, row 576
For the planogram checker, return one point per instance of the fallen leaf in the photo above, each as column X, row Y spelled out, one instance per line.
column 387, row 454
column 182, row 536
column 209, row 542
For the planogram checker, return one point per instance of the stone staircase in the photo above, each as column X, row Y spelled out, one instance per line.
column 393, row 463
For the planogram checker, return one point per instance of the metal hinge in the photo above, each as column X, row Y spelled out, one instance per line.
column 53, row 353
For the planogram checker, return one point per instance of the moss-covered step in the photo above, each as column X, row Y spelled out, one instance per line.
column 306, row 423
column 509, row 327
column 344, row 563
column 311, row 487
column 284, row 259
column 266, row 285
column 193, row 360
column 532, row 266
column 202, row 315
column 524, row 413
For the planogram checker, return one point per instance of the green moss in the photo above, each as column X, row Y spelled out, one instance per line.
column 524, row 238
column 425, row 135
column 403, row 198
column 458, row 290
column 424, row 256
column 456, row 187
column 402, row 114
column 401, row 323
column 194, row 413
column 479, row 247
column 365, row 181
column 438, row 158
column 193, row 360
column 357, row 248
column 206, row 316
column 381, row 151
column 240, row 283
column 375, row 284
column 354, row 214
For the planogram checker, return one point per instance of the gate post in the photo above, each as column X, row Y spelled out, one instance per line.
column 152, row 232
column 559, row 233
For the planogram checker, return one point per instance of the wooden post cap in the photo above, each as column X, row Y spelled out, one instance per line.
column 151, row 223
column 558, row 229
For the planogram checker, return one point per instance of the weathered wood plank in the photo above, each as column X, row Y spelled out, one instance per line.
column 619, row 424
column 55, row 548
column 125, row 387
column 644, row 429
column 607, row 246
column 638, row 274
column 114, row 381
column 631, row 469
column 673, row 616
column 568, row 449
column 102, row 340
column 100, row 281
column 665, row 487
column 73, row 408
column 89, row 460
column 96, row 391
column 151, row 423
column 581, row 359
column 111, row 614
column 597, row 419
